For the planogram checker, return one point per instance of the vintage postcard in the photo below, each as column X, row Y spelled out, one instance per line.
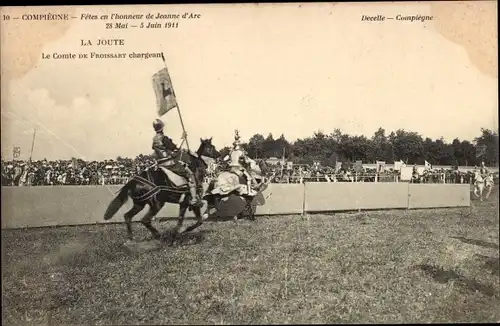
column 250, row 163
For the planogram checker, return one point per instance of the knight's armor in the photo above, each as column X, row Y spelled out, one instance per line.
column 160, row 147
column 164, row 149
column 237, row 164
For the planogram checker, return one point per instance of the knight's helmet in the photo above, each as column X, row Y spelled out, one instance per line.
column 158, row 125
column 236, row 143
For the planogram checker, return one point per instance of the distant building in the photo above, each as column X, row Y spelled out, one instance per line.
column 273, row 161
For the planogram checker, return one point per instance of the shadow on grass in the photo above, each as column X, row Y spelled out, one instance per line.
column 168, row 239
column 212, row 218
column 480, row 243
column 86, row 256
column 189, row 238
column 442, row 276
column 490, row 263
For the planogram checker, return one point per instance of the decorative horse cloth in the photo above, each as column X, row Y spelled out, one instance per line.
column 227, row 181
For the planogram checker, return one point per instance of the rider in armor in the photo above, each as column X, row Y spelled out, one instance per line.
column 164, row 149
column 237, row 157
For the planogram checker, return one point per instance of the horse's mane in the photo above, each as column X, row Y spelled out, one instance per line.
column 194, row 155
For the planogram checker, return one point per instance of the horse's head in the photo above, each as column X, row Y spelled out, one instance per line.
column 207, row 149
column 263, row 166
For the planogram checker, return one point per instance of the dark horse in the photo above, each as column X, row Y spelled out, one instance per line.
column 214, row 200
column 153, row 187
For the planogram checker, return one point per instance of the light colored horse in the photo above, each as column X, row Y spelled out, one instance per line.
column 480, row 184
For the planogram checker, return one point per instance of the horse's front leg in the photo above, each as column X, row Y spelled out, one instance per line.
column 248, row 208
column 476, row 191
column 251, row 209
column 211, row 205
column 490, row 188
column 199, row 220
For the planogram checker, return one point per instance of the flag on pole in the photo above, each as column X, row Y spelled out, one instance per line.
column 164, row 91
column 480, row 150
column 428, row 165
column 16, row 152
column 338, row 166
column 398, row 165
column 358, row 166
column 380, row 166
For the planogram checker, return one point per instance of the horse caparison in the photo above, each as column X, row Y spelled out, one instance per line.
column 214, row 201
column 152, row 187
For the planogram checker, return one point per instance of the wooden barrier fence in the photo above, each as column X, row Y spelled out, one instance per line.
column 78, row 205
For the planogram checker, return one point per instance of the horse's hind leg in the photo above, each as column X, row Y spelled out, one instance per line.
column 130, row 215
column 146, row 220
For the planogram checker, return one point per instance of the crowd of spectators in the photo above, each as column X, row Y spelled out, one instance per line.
column 119, row 171
column 302, row 173
column 71, row 172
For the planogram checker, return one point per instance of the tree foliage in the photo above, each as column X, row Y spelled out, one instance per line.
column 401, row 144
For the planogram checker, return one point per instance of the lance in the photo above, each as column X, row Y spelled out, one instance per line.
column 178, row 109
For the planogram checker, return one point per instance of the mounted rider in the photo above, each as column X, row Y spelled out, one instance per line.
column 238, row 161
column 165, row 150
column 483, row 170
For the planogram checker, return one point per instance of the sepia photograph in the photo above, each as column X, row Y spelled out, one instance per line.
column 250, row 163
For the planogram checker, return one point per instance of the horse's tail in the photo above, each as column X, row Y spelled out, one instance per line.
column 118, row 201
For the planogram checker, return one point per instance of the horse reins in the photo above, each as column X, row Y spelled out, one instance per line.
column 155, row 189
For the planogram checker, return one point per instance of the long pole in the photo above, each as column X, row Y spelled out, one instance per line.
column 283, row 163
column 178, row 109
column 33, row 144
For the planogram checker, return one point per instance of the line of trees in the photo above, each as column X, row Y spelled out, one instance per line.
column 404, row 145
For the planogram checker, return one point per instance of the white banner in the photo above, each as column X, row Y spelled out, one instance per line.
column 406, row 173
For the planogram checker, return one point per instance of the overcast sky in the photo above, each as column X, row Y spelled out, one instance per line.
column 259, row 69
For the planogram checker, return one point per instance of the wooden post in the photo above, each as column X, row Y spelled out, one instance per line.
column 32, row 144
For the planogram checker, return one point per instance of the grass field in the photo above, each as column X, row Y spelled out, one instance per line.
column 378, row 267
